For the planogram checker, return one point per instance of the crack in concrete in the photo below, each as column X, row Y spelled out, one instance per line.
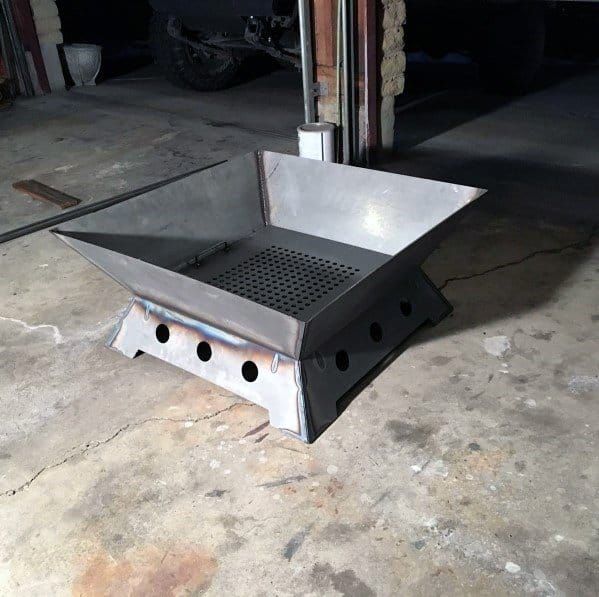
column 58, row 339
column 82, row 451
column 580, row 244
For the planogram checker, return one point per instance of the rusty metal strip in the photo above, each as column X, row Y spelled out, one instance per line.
column 38, row 190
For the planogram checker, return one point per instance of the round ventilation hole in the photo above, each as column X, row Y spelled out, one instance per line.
column 249, row 371
column 405, row 307
column 376, row 332
column 204, row 351
column 162, row 333
column 342, row 360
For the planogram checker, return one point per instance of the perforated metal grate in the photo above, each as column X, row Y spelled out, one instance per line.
column 284, row 279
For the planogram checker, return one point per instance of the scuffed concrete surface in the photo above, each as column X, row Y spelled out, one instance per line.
column 94, row 143
column 497, row 345
column 122, row 475
column 455, row 471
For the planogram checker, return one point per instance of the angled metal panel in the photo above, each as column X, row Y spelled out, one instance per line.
column 277, row 387
column 374, row 210
column 196, row 299
column 168, row 224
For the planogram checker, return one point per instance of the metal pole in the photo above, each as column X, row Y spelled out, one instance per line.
column 347, row 84
column 89, row 208
column 352, row 70
column 307, row 62
column 338, row 66
column 16, row 48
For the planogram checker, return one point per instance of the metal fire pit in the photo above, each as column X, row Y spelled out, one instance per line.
column 282, row 279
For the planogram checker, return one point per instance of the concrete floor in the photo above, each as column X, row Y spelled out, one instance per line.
column 537, row 153
column 468, row 467
column 97, row 142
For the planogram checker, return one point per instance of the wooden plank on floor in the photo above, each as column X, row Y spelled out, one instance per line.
column 38, row 190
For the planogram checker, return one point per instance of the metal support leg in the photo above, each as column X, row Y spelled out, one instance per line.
column 302, row 396
column 307, row 59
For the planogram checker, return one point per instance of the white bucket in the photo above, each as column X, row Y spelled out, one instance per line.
column 317, row 141
column 84, row 61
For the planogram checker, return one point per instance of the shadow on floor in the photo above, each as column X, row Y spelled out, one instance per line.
column 501, row 289
column 442, row 95
column 516, row 184
column 536, row 154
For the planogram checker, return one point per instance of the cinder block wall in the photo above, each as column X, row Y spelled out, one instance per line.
column 47, row 25
column 393, row 65
column 47, row 21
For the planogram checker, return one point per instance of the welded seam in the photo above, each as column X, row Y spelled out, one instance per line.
column 262, row 189
column 119, row 325
column 96, row 444
column 578, row 245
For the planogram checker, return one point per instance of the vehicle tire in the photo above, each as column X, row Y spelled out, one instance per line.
column 186, row 67
column 511, row 46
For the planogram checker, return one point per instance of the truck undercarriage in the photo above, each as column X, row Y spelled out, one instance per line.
column 201, row 44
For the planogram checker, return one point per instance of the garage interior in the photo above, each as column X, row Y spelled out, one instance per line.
column 466, row 464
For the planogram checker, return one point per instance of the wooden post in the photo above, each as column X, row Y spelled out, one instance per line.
column 366, row 80
column 28, row 35
column 324, row 14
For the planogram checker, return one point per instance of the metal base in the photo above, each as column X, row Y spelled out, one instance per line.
column 303, row 396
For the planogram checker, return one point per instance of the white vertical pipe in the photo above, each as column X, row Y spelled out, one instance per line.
column 317, row 141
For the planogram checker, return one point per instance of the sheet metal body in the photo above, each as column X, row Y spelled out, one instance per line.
column 278, row 385
column 278, row 257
